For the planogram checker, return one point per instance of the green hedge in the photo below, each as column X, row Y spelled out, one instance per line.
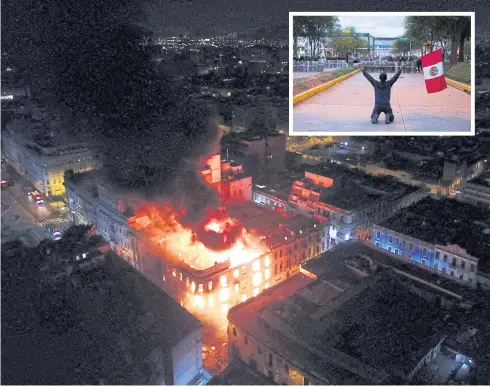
column 304, row 84
column 460, row 72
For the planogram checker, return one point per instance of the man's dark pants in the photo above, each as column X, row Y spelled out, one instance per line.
column 383, row 108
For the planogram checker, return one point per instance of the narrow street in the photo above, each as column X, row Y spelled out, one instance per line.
column 22, row 217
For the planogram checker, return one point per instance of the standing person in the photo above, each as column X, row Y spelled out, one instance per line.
column 382, row 95
column 419, row 65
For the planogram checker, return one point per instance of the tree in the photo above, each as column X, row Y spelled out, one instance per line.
column 401, row 46
column 465, row 35
column 456, row 29
column 313, row 28
column 425, row 29
column 299, row 30
column 346, row 44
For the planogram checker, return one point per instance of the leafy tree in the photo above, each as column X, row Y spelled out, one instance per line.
column 346, row 44
column 313, row 28
column 456, row 29
column 459, row 29
column 401, row 46
column 425, row 29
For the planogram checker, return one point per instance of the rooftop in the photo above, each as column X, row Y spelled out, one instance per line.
column 41, row 138
column 445, row 221
column 268, row 223
column 111, row 327
column 330, row 266
column 483, row 179
column 280, row 189
column 353, row 330
column 358, row 189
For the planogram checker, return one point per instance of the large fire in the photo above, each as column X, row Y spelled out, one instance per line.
column 217, row 239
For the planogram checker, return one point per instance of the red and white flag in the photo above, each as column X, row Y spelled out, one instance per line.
column 434, row 72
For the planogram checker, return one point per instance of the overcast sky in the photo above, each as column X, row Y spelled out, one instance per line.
column 380, row 26
column 222, row 16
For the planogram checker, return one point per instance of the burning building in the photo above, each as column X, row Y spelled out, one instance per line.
column 233, row 254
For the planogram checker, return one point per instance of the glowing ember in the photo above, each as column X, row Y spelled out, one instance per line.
column 218, row 239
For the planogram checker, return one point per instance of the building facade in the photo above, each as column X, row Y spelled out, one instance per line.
column 317, row 195
column 209, row 292
column 44, row 164
column 477, row 191
column 449, row 260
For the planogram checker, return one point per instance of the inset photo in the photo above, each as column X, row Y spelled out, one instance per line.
column 368, row 74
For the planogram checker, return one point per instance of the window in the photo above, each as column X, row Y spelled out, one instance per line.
column 280, row 267
column 424, row 252
column 245, row 339
column 223, row 281
column 377, row 244
column 306, row 381
column 286, row 369
column 234, row 331
column 389, row 249
column 454, row 262
column 445, row 258
column 210, row 285
column 271, row 360
column 397, row 241
column 472, row 267
column 452, row 273
column 410, row 245
column 280, row 253
column 461, row 277
column 437, row 255
column 463, row 264
column 396, row 251
column 390, row 239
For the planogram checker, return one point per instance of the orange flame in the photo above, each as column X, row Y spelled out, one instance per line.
column 219, row 239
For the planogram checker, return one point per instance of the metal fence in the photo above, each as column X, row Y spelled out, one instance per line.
column 389, row 67
column 318, row 66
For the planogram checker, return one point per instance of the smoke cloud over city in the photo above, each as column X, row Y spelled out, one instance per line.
column 93, row 61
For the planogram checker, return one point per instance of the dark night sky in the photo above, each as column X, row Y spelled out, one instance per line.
column 221, row 16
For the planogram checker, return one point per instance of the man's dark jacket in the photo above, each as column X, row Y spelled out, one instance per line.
column 382, row 90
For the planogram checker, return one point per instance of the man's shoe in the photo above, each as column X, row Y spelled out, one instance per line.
column 387, row 119
column 374, row 119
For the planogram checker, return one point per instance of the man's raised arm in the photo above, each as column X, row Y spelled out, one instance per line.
column 368, row 77
column 392, row 81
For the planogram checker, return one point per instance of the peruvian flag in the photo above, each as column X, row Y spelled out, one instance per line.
column 434, row 72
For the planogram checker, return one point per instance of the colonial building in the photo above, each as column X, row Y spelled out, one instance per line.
column 448, row 236
column 43, row 159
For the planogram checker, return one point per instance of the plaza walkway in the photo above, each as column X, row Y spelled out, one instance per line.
column 347, row 107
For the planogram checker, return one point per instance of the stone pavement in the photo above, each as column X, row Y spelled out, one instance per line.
column 347, row 107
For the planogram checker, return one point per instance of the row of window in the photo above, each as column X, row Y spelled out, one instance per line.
column 270, row 359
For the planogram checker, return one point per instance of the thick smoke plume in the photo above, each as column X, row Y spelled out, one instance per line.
column 94, row 60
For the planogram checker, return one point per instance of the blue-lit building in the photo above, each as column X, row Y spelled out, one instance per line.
column 403, row 245
column 448, row 236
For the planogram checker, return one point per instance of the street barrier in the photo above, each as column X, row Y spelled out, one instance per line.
column 309, row 93
column 318, row 66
